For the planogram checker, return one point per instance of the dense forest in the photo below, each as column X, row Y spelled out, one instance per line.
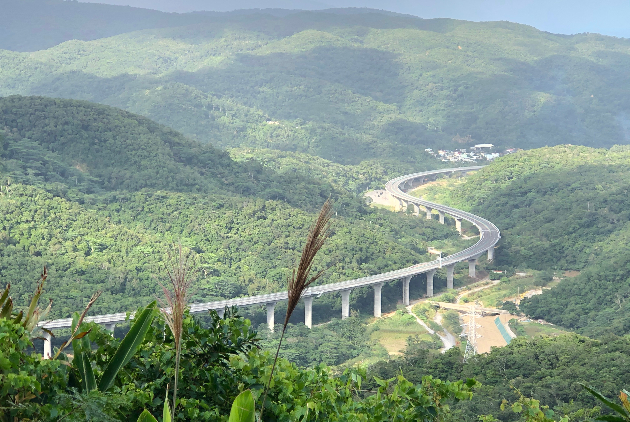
column 100, row 187
column 547, row 368
column 561, row 208
column 347, row 87
column 99, row 195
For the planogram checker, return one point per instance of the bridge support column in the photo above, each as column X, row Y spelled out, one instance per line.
column 471, row 267
column 450, row 269
column 441, row 213
column 430, row 275
column 47, row 346
column 406, row 281
column 491, row 254
column 110, row 328
column 429, row 210
column 458, row 225
column 377, row 299
column 345, row 304
column 416, row 209
column 270, row 315
column 221, row 312
column 308, row 311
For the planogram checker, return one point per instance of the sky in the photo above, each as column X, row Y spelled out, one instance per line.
column 608, row 17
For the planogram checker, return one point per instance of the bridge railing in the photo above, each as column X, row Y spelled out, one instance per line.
column 489, row 236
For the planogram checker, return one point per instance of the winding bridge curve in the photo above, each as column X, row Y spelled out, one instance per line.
column 397, row 188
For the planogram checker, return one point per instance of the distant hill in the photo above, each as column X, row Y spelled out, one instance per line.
column 221, row 6
column 94, row 149
column 99, row 195
column 345, row 86
column 562, row 208
column 31, row 25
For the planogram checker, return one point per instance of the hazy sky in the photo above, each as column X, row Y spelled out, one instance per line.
column 609, row 17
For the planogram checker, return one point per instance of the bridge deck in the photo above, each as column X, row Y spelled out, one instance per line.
column 489, row 236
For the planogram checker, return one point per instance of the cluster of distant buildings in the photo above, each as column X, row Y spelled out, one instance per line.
column 480, row 152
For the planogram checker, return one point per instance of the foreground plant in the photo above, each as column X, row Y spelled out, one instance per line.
column 127, row 348
column 622, row 412
column 176, row 298
column 301, row 278
column 34, row 314
column 243, row 410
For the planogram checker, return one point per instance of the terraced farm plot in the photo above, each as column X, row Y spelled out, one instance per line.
column 393, row 331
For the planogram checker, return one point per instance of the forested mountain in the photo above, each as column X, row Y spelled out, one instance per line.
column 344, row 86
column 562, row 208
column 549, row 369
column 31, row 25
column 99, row 194
column 93, row 148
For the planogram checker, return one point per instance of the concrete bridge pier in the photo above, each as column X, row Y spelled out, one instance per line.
column 416, row 209
column 270, row 315
column 429, row 211
column 345, row 303
column 406, row 281
column 377, row 299
column 472, row 262
column 308, row 311
column 491, row 254
column 458, row 224
column 221, row 312
column 47, row 346
column 441, row 214
column 110, row 327
column 450, row 269
column 430, row 275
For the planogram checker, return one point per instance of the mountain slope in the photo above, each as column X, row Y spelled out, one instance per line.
column 348, row 87
column 562, row 208
column 99, row 195
column 31, row 25
column 96, row 148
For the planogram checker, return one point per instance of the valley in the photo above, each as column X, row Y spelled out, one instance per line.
column 164, row 175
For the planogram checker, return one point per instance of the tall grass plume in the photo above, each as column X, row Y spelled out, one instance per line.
column 176, row 296
column 301, row 278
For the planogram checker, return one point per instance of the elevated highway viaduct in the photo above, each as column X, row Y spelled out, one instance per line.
column 397, row 188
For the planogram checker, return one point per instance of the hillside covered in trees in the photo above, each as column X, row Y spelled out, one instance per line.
column 342, row 85
column 99, row 195
column 561, row 208
column 549, row 369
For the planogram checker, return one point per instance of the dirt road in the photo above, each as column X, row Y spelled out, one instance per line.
column 448, row 340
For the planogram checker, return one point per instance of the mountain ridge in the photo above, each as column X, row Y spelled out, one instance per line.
column 348, row 88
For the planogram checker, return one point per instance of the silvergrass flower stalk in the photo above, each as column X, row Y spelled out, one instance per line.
column 176, row 300
column 301, row 278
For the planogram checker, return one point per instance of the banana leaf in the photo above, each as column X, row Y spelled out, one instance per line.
column 243, row 409
column 146, row 416
column 128, row 346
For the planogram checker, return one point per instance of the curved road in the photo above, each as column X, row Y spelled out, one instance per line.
column 489, row 236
